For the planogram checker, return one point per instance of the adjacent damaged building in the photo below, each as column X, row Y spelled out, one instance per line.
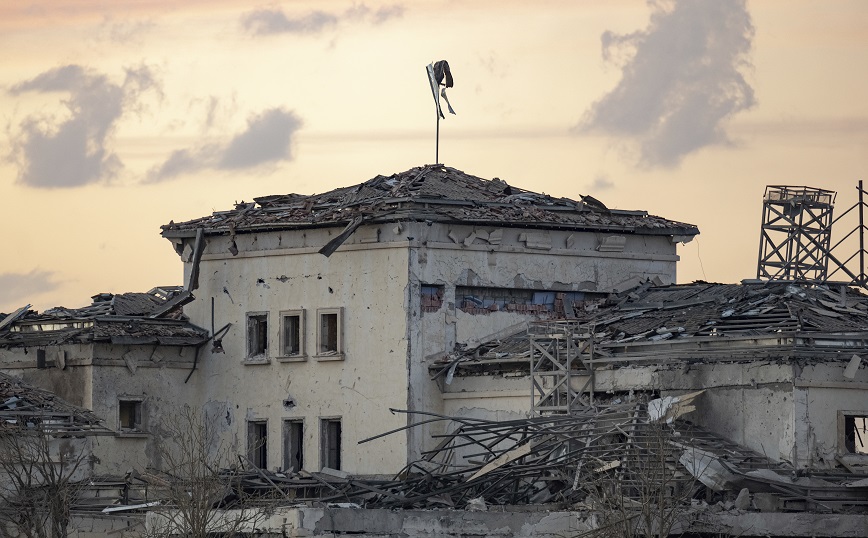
column 126, row 357
column 780, row 365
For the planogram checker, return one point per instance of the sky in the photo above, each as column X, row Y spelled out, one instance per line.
column 120, row 116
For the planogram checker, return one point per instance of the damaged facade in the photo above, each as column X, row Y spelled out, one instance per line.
column 337, row 303
column 125, row 357
column 445, row 310
column 782, row 359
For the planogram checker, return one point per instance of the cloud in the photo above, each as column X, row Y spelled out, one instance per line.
column 601, row 183
column 62, row 153
column 266, row 140
column 270, row 21
column 682, row 78
column 19, row 287
column 124, row 31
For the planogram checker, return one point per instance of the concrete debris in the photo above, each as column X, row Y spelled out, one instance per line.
column 644, row 324
column 428, row 193
column 154, row 317
column 24, row 406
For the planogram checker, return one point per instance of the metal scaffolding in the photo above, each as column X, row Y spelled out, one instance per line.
column 560, row 352
column 795, row 234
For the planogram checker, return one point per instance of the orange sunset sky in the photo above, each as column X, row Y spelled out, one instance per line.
column 119, row 116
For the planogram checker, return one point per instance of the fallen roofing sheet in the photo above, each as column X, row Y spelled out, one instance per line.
column 431, row 192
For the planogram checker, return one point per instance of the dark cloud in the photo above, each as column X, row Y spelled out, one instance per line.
column 269, row 21
column 267, row 139
column 682, row 78
column 20, row 287
column 55, row 153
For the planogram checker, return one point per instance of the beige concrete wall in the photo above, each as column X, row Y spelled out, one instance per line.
column 98, row 376
column 274, row 272
column 823, row 395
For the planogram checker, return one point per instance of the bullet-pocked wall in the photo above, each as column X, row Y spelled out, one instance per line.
column 316, row 350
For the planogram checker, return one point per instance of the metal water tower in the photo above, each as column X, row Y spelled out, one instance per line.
column 796, row 233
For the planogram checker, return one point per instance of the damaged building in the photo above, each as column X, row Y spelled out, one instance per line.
column 435, row 342
column 336, row 304
column 126, row 357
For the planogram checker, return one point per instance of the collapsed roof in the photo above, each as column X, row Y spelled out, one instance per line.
column 686, row 322
column 431, row 193
column 24, row 406
column 153, row 317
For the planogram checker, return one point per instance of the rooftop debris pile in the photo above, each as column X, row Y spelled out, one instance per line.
column 699, row 321
column 154, row 317
column 432, row 193
column 24, row 406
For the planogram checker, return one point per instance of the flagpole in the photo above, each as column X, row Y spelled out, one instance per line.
column 437, row 139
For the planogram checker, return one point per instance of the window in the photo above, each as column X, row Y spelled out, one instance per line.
column 330, row 455
column 329, row 344
column 257, row 336
column 855, row 433
column 257, row 443
column 431, row 297
column 130, row 415
column 293, row 445
column 292, row 334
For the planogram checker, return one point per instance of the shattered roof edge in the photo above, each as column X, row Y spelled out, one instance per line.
column 690, row 230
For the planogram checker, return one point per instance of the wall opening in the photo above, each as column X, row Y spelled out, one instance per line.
column 329, row 332
column 257, row 335
column 293, row 445
column 257, row 443
column 330, row 444
column 431, row 297
column 292, row 333
column 130, row 415
column 856, row 434
column 556, row 304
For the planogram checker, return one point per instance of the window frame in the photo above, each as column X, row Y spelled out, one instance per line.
column 338, row 353
column 325, row 447
column 842, row 434
column 288, row 437
column 302, row 350
column 138, row 414
column 249, row 356
column 260, row 452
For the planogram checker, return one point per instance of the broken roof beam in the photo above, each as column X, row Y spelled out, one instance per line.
column 198, row 249
column 175, row 302
column 10, row 319
column 333, row 245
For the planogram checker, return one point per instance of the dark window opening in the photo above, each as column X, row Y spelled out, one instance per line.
column 257, row 335
column 130, row 415
column 548, row 304
column 432, row 298
column 292, row 335
column 856, row 434
column 293, row 445
column 328, row 333
column 257, row 443
column 331, row 443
